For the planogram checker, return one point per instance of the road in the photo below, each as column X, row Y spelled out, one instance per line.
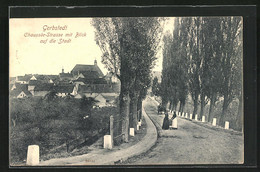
column 192, row 143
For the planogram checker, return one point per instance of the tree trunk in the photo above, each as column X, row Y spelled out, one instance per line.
column 13, row 122
column 224, row 111
column 195, row 108
column 202, row 104
column 67, row 146
column 139, row 108
column 240, row 117
column 171, row 105
column 164, row 103
column 133, row 112
column 180, row 107
column 124, row 113
column 212, row 104
column 175, row 105
column 131, row 116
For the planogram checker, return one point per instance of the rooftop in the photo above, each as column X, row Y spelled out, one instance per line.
column 99, row 88
column 87, row 69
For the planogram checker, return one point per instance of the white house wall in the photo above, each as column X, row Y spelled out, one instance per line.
column 110, row 94
column 78, row 96
column 31, row 87
column 14, row 87
column 21, row 95
column 91, row 94
column 101, row 101
column 33, row 78
column 40, row 93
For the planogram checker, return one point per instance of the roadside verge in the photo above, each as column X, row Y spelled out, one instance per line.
column 111, row 157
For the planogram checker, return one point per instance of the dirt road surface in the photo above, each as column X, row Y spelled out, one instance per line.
column 190, row 144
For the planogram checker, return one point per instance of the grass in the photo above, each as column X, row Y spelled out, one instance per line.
column 50, row 123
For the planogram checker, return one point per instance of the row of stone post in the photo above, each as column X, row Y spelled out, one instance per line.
column 132, row 130
column 214, row 121
column 33, row 152
column 108, row 139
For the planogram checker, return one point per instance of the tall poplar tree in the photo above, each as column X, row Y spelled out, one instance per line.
column 230, row 61
column 128, row 46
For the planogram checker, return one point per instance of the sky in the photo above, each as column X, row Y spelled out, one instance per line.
column 37, row 55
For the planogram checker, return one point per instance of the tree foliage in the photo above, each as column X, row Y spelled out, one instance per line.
column 206, row 52
column 155, row 87
column 129, row 46
column 174, row 87
column 51, row 123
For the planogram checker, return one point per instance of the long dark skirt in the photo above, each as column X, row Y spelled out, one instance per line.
column 165, row 125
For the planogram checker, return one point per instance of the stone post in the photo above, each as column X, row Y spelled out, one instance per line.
column 107, row 142
column 174, row 123
column 214, row 122
column 132, row 132
column 226, row 125
column 112, row 129
column 196, row 117
column 190, row 116
column 33, row 155
column 203, row 119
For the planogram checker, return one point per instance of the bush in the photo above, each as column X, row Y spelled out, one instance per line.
column 52, row 122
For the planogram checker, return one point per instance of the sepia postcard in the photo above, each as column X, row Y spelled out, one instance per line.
column 87, row 91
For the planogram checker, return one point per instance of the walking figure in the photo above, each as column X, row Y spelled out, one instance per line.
column 165, row 122
column 174, row 116
column 159, row 108
column 174, row 121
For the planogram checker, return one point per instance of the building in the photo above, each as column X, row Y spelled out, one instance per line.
column 12, row 80
column 63, row 90
column 88, row 71
column 111, row 78
column 65, row 76
column 23, row 79
column 19, row 90
column 83, row 80
column 104, row 94
column 92, row 90
column 43, row 89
